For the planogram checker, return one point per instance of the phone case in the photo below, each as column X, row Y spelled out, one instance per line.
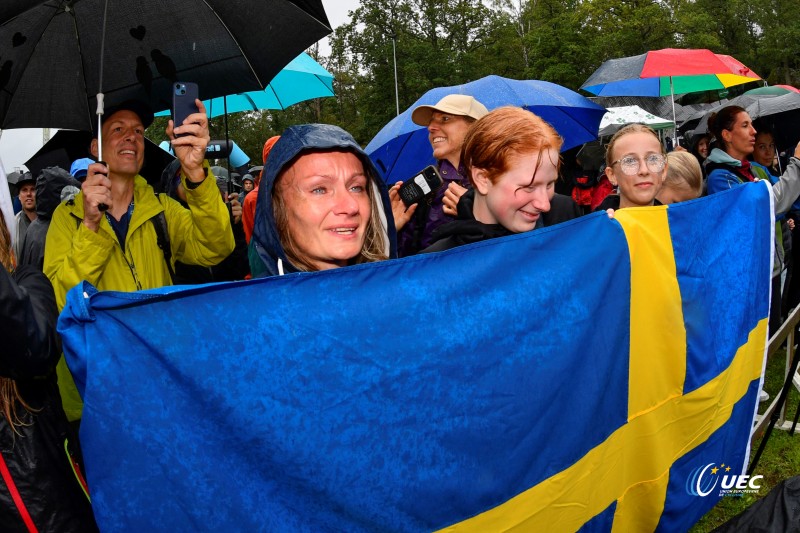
column 423, row 185
column 183, row 96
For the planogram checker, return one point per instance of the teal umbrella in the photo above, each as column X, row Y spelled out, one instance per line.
column 302, row 79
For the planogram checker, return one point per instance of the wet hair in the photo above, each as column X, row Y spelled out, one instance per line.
column 10, row 397
column 683, row 172
column 724, row 119
column 375, row 243
column 7, row 259
column 630, row 128
column 496, row 138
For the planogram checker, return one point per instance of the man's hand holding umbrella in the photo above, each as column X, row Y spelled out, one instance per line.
column 96, row 191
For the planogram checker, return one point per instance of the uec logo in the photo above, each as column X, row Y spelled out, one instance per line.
column 703, row 480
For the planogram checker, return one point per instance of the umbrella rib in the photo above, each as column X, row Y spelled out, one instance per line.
column 56, row 11
column 277, row 98
column 322, row 81
column 252, row 102
column 242, row 54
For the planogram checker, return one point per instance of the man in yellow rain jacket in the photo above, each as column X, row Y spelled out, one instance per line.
column 117, row 249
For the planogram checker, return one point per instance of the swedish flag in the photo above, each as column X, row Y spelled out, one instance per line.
column 570, row 378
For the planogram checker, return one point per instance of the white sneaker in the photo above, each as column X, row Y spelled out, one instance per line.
column 763, row 396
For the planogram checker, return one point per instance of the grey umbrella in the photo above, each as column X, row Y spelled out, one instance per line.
column 780, row 114
column 744, row 101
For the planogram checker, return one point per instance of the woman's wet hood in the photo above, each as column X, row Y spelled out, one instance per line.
column 294, row 142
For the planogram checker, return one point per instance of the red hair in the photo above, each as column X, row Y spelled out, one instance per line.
column 497, row 138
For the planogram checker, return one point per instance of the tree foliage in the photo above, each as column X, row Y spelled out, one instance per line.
column 449, row 42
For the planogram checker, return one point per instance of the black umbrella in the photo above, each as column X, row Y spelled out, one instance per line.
column 781, row 114
column 68, row 145
column 57, row 55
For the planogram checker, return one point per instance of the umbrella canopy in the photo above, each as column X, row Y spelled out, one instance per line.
column 302, row 79
column 68, row 145
column 780, row 114
column 592, row 155
column 401, row 148
column 53, row 52
column 617, row 117
column 773, row 89
column 743, row 100
column 668, row 71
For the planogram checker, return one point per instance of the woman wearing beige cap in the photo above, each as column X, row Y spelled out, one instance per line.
column 448, row 122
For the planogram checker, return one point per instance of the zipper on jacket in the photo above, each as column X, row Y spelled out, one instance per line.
column 131, row 267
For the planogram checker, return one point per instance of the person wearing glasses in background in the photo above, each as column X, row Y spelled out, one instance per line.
column 636, row 165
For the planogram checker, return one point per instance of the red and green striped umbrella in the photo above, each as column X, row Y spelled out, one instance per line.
column 668, row 72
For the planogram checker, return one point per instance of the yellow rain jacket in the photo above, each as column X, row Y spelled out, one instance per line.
column 201, row 235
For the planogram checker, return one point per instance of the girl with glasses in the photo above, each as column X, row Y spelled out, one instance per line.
column 636, row 164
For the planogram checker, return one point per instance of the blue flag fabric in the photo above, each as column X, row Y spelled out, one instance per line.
column 574, row 377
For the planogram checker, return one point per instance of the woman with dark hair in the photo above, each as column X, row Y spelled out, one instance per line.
column 728, row 166
column 42, row 487
column 701, row 146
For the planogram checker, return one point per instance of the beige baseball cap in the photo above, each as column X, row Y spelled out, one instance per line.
column 453, row 104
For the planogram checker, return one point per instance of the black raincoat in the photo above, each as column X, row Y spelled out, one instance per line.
column 38, row 466
column 49, row 185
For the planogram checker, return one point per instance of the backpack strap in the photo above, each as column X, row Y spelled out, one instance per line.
column 162, row 239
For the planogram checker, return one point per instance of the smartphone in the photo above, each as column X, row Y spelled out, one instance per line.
column 422, row 186
column 184, row 93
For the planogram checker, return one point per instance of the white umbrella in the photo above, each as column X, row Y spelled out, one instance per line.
column 617, row 117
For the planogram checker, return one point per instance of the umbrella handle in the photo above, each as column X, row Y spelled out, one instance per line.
column 100, row 110
column 102, row 207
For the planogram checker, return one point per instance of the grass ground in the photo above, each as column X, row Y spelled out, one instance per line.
column 780, row 459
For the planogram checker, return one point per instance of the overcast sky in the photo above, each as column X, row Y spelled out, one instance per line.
column 337, row 15
column 17, row 145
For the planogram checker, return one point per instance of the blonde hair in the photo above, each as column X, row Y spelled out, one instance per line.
column 683, row 172
column 9, row 393
column 630, row 128
column 375, row 239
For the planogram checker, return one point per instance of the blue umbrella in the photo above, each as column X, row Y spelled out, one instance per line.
column 302, row 79
column 401, row 148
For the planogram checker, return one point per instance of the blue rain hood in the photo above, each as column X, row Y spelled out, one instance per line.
column 295, row 141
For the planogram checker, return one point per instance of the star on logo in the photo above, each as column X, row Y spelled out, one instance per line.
column 714, row 470
column 728, row 469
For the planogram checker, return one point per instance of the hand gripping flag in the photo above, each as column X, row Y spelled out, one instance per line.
column 579, row 377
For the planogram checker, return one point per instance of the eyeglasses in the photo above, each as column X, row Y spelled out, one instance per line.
column 630, row 165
